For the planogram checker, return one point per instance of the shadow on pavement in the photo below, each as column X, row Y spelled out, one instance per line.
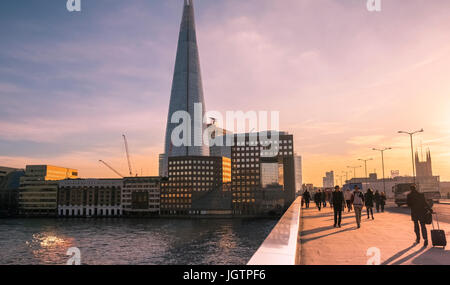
column 318, row 216
column 408, row 257
column 398, row 254
column 433, row 256
column 305, row 240
column 343, row 217
column 321, row 229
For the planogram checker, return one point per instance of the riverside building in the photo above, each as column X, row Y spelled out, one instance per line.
column 90, row 197
column 261, row 178
column 141, row 196
column 38, row 191
column 191, row 178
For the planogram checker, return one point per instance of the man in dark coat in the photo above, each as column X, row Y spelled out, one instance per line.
column 318, row 199
column 306, row 198
column 368, row 198
column 419, row 208
column 338, row 202
column 324, row 198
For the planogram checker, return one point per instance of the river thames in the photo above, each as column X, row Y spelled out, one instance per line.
column 132, row 241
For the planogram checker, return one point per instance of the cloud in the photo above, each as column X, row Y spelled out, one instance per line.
column 365, row 140
column 344, row 80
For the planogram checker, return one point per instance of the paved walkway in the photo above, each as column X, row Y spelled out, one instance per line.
column 391, row 233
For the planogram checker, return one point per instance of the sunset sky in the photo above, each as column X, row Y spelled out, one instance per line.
column 345, row 80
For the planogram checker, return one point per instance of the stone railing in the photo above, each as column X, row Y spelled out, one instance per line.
column 282, row 246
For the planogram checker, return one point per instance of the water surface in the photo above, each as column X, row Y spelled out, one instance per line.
column 132, row 241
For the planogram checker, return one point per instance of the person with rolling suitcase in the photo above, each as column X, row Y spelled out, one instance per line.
column 420, row 211
column 438, row 236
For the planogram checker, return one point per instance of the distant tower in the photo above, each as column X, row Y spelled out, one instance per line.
column 423, row 168
column 187, row 90
column 298, row 172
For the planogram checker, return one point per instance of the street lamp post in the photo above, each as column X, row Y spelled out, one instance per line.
column 382, row 163
column 412, row 149
column 346, row 175
column 354, row 169
column 365, row 164
column 365, row 167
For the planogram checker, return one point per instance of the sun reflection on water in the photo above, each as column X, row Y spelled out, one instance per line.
column 49, row 248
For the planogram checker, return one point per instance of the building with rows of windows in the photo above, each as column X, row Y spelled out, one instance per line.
column 90, row 197
column 189, row 177
column 141, row 196
column 38, row 192
column 263, row 175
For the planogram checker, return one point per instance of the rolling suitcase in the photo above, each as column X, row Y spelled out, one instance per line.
column 438, row 236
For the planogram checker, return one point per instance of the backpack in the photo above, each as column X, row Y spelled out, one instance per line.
column 358, row 198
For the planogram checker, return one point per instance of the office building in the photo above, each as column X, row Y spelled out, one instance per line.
column 257, row 168
column 161, row 172
column 141, row 196
column 187, row 92
column 192, row 177
column 298, row 172
column 38, row 191
column 9, row 193
column 5, row 170
column 90, row 197
column 328, row 180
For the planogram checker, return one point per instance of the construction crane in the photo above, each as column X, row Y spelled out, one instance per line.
column 128, row 154
column 107, row 165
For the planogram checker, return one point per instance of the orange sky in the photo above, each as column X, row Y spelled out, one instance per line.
column 344, row 80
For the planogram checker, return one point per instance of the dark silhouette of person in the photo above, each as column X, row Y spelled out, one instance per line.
column 348, row 198
column 318, row 199
column 337, row 197
column 306, row 198
column 419, row 208
column 324, row 198
column 368, row 198
column 377, row 198
column 382, row 201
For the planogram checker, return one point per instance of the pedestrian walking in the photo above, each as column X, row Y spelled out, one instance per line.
column 382, row 201
column 419, row 210
column 338, row 202
column 377, row 197
column 318, row 199
column 306, row 198
column 330, row 198
column 358, row 203
column 368, row 200
column 324, row 198
column 348, row 198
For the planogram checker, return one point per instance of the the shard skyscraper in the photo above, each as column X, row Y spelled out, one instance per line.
column 187, row 90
